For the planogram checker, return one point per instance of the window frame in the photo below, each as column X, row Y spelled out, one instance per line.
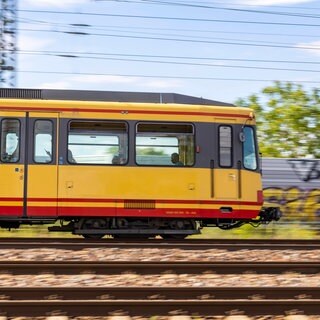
column 126, row 133
column 18, row 144
column 52, row 140
column 255, row 145
column 165, row 134
column 231, row 146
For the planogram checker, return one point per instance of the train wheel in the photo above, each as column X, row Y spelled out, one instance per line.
column 93, row 224
column 179, row 224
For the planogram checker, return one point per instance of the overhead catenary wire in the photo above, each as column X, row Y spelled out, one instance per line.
column 225, row 42
column 121, row 28
column 106, row 54
column 73, row 55
column 96, row 14
column 210, row 6
column 164, row 76
column 84, row 27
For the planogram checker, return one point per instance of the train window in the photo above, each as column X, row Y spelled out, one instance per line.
column 165, row 144
column 43, row 146
column 10, row 140
column 225, row 146
column 97, row 142
column 249, row 149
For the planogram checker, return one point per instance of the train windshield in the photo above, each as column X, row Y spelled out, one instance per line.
column 249, row 149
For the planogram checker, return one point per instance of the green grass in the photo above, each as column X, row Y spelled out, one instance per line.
column 271, row 231
column 34, row 231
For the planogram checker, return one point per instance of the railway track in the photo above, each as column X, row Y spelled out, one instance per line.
column 143, row 267
column 209, row 307
column 188, row 244
column 159, row 293
column 150, row 301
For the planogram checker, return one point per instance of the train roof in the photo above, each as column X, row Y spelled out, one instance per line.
column 111, row 96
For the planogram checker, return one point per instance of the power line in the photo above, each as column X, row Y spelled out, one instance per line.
column 204, row 6
column 169, row 18
column 162, row 76
column 164, row 56
column 226, row 42
column 68, row 55
column 129, row 29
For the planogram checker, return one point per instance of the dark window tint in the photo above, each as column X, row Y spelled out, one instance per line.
column 225, row 146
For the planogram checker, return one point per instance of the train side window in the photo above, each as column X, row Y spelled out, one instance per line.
column 97, row 142
column 10, row 140
column 43, row 146
column 165, row 144
column 225, row 146
column 249, row 149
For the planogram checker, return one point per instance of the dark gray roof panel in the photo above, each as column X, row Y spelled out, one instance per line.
column 116, row 96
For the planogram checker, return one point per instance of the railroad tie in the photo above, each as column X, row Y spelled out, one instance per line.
column 180, row 317
column 237, row 317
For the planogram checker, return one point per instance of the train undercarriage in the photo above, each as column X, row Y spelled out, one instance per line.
column 97, row 227
column 133, row 227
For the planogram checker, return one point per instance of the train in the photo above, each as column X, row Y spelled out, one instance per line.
column 128, row 164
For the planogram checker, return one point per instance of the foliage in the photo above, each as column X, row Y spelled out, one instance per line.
column 151, row 151
column 288, row 120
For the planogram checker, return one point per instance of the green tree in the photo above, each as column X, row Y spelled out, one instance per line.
column 288, row 120
column 150, row 151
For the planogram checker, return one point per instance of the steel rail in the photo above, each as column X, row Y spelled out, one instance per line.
column 149, row 308
column 143, row 267
column 154, row 293
column 188, row 244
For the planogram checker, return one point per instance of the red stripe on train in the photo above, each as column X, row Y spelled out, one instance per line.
column 47, row 211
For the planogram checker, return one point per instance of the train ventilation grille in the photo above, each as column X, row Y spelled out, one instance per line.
column 139, row 204
column 20, row 93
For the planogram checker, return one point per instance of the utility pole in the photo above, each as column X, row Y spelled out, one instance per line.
column 8, row 48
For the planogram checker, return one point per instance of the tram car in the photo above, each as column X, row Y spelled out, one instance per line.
column 98, row 163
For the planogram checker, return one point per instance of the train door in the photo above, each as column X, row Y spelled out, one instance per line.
column 226, row 176
column 12, row 158
column 28, row 167
column 42, row 174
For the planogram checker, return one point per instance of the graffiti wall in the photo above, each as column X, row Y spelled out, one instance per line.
column 294, row 184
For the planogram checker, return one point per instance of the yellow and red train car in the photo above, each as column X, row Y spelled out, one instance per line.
column 121, row 163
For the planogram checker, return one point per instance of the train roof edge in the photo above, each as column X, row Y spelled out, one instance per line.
column 115, row 96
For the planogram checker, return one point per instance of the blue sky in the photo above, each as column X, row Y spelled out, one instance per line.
column 221, row 50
